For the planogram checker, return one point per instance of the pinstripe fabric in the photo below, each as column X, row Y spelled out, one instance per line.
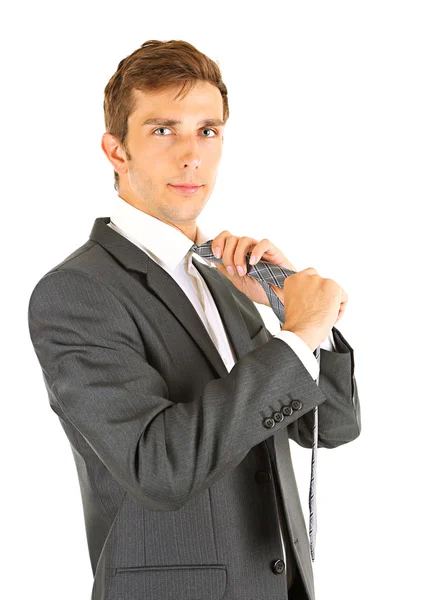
column 170, row 448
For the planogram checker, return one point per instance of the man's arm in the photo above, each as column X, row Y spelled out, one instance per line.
column 95, row 368
column 339, row 419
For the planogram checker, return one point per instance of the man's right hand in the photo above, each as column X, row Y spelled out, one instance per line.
column 312, row 305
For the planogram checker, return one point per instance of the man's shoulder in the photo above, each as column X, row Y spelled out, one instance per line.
column 77, row 259
column 90, row 260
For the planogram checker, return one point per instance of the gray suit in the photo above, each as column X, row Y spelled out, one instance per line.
column 172, row 453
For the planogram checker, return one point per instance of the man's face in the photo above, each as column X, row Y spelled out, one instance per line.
column 163, row 153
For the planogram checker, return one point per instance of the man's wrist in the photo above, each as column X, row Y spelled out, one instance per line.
column 302, row 350
column 300, row 334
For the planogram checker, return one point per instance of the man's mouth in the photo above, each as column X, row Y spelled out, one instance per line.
column 185, row 189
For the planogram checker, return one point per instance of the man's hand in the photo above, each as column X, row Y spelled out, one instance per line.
column 234, row 249
column 313, row 304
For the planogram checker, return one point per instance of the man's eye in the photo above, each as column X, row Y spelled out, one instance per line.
column 205, row 129
column 160, row 128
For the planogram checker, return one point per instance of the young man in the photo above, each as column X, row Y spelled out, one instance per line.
column 163, row 374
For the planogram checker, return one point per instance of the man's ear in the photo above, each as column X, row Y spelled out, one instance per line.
column 113, row 150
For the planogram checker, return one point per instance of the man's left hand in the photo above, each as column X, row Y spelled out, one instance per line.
column 234, row 249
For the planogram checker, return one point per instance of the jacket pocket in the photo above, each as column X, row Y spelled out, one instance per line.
column 169, row 582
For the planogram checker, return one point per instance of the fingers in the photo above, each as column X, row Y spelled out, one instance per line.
column 218, row 243
column 223, row 246
column 264, row 247
column 233, row 251
column 229, row 252
column 341, row 312
column 246, row 245
column 344, row 297
column 343, row 303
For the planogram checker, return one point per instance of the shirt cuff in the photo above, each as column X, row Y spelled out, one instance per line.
column 329, row 343
column 302, row 350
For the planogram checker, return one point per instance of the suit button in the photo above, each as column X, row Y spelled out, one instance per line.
column 278, row 567
column 296, row 404
column 278, row 416
column 287, row 410
column 268, row 423
column 262, row 477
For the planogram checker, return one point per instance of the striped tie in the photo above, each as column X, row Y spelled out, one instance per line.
column 267, row 273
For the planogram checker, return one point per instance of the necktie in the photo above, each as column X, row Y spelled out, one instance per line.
column 267, row 273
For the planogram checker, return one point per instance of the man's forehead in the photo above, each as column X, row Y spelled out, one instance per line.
column 152, row 101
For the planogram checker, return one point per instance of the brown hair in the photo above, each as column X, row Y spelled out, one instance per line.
column 156, row 65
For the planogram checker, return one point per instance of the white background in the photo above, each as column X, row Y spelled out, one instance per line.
column 331, row 151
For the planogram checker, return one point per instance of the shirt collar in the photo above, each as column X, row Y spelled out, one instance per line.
column 168, row 244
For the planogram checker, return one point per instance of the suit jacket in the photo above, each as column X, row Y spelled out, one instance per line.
column 172, row 450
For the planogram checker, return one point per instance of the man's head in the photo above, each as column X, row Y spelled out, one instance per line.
column 164, row 81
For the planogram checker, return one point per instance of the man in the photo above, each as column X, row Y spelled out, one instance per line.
column 163, row 374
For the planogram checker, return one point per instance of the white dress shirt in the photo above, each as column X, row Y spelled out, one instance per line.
column 169, row 248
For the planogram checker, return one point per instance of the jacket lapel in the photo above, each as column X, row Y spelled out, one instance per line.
column 164, row 287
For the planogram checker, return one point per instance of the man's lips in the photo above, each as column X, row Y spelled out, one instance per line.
column 186, row 188
column 189, row 184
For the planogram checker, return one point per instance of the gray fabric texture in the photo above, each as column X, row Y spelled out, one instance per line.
column 168, row 445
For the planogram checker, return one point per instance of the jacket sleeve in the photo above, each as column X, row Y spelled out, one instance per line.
column 339, row 419
column 95, row 368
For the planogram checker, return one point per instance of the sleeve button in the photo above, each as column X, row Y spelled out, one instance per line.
column 269, row 423
column 278, row 416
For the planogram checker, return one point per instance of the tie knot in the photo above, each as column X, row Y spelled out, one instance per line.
column 205, row 250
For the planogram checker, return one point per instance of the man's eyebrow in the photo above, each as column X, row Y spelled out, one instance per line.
column 171, row 122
